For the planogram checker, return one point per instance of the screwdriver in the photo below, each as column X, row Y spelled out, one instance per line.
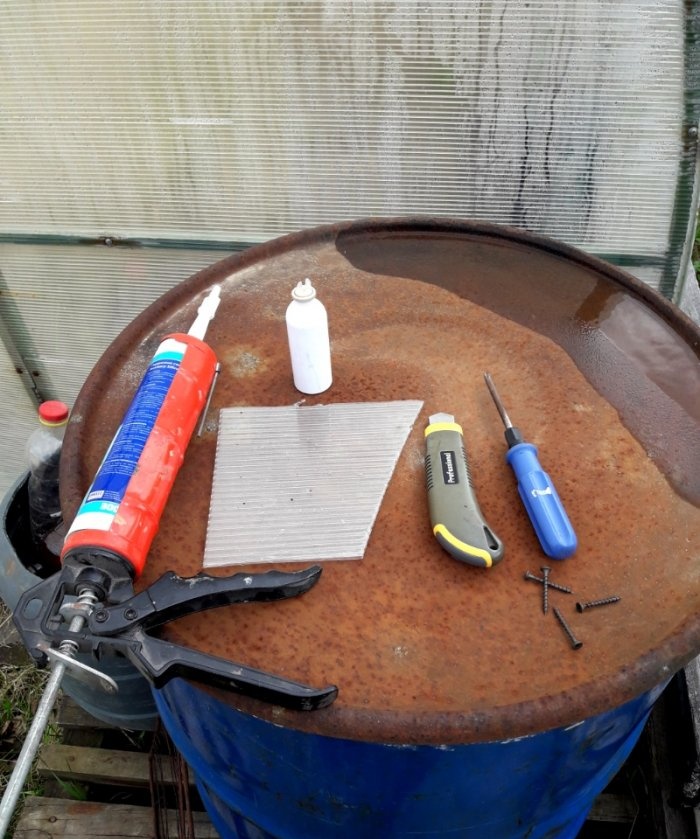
column 538, row 494
column 456, row 519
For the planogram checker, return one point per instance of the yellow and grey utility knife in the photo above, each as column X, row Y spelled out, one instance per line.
column 455, row 516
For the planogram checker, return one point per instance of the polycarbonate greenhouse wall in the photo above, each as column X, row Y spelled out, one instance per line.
column 141, row 141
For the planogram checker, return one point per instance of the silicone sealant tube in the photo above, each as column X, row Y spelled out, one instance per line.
column 121, row 510
column 99, row 508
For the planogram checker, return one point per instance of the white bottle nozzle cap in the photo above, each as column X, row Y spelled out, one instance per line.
column 205, row 313
column 304, row 291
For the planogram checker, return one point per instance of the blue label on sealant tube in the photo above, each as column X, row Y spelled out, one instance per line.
column 102, row 500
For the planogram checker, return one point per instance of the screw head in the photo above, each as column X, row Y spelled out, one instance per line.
column 130, row 614
column 101, row 616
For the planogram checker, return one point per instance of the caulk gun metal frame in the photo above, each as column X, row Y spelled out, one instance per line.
column 121, row 619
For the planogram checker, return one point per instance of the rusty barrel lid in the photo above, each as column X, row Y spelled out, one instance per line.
column 597, row 370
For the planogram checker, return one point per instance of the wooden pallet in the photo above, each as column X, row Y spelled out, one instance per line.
column 86, row 761
column 51, row 818
column 113, row 769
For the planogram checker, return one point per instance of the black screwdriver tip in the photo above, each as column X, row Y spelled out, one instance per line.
column 513, row 436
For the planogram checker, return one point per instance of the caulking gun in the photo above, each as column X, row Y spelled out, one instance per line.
column 90, row 604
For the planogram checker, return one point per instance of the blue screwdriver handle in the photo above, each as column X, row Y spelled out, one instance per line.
column 542, row 502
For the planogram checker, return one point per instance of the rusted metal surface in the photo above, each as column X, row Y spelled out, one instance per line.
column 597, row 370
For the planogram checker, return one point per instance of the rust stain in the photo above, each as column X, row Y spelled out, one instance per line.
column 243, row 361
column 84, row 808
column 425, row 649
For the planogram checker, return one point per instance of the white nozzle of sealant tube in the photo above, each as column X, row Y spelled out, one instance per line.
column 309, row 344
column 205, row 313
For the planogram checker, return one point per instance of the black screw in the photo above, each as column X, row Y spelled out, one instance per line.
column 535, row 579
column 575, row 643
column 545, row 569
column 130, row 614
column 593, row 603
column 101, row 616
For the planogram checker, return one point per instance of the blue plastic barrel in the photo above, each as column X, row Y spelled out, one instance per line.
column 132, row 707
column 463, row 711
column 262, row 781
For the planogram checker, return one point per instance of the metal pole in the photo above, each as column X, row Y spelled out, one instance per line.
column 30, row 747
column 41, row 719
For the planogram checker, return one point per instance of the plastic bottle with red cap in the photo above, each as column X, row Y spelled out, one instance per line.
column 43, row 456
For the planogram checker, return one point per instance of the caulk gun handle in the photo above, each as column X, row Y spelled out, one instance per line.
column 542, row 502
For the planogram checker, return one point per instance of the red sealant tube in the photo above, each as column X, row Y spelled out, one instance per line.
column 120, row 514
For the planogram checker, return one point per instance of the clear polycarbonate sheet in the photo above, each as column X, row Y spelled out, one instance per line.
column 61, row 308
column 241, row 121
column 302, row 483
column 200, row 128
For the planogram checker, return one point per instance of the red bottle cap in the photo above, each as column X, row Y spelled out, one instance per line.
column 53, row 412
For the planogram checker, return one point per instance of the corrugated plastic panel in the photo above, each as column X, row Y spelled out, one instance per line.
column 302, row 483
column 18, row 422
column 239, row 120
column 204, row 125
column 64, row 306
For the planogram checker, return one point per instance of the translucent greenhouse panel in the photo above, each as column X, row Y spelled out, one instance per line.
column 64, row 305
column 18, row 421
column 240, row 121
column 213, row 125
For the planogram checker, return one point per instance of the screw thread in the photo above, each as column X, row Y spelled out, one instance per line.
column 535, row 579
column 545, row 588
column 86, row 597
column 592, row 604
column 68, row 647
column 575, row 643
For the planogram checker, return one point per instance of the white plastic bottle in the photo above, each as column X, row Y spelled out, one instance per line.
column 309, row 345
